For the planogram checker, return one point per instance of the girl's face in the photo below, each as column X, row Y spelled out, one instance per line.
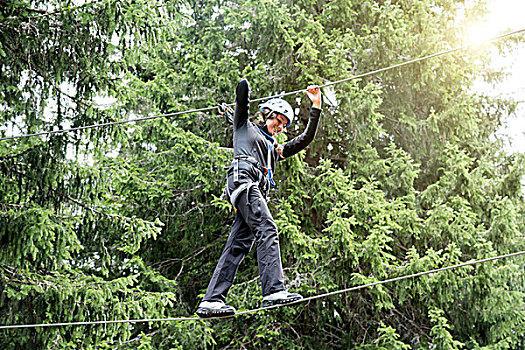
column 276, row 124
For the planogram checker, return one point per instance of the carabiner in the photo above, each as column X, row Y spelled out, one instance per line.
column 226, row 112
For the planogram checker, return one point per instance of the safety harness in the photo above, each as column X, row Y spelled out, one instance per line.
column 263, row 171
column 243, row 185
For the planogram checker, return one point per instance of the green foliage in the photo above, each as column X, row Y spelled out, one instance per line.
column 388, row 339
column 442, row 339
column 405, row 175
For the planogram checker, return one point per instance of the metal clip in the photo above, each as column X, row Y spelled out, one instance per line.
column 226, row 112
column 235, row 170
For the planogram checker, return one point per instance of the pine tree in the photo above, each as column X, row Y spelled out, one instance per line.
column 123, row 222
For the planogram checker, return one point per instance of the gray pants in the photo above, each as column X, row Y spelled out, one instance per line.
column 253, row 221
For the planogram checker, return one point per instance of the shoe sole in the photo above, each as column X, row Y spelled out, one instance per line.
column 205, row 313
column 268, row 303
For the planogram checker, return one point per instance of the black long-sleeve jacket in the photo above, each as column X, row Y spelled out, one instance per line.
column 250, row 140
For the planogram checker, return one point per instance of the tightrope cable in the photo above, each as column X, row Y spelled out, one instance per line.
column 109, row 123
column 441, row 53
column 324, row 295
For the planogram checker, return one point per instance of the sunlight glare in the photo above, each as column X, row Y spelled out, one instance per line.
column 478, row 33
column 503, row 16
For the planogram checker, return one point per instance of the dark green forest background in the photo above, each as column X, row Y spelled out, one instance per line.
column 406, row 174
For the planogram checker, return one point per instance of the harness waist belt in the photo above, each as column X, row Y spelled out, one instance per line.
column 252, row 161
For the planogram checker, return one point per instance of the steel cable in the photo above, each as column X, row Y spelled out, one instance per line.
column 264, row 98
column 324, row 295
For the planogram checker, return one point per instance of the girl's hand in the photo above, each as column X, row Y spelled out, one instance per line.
column 314, row 93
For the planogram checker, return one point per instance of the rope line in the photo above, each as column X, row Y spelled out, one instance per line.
column 441, row 53
column 109, row 123
column 324, row 295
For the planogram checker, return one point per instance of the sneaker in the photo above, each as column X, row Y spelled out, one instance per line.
column 282, row 297
column 208, row 309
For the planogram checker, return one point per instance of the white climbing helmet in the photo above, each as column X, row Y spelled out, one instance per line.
column 278, row 105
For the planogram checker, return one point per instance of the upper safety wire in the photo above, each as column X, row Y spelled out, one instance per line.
column 226, row 113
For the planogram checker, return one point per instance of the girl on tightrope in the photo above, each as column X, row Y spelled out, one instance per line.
column 256, row 154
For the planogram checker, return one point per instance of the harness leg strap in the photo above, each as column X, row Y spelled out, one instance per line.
column 245, row 186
